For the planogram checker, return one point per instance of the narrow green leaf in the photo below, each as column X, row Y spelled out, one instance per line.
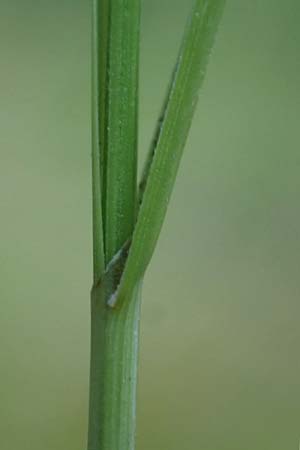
column 120, row 162
column 172, row 134
column 155, row 138
column 153, row 145
column 98, row 107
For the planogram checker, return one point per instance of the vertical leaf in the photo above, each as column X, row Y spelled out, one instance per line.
column 120, row 169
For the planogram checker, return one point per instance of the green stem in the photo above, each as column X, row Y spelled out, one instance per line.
column 114, row 337
column 113, row 376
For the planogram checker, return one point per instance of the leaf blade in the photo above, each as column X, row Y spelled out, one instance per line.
column 172, row 134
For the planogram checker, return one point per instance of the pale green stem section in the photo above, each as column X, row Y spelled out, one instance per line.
column 113, row 377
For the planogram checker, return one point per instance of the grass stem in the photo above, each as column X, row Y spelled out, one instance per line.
column 125, row 233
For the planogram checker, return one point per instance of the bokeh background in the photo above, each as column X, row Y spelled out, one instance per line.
column 220, row 364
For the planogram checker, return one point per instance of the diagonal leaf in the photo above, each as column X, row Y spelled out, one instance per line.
column 170, row 140
column 155, row 139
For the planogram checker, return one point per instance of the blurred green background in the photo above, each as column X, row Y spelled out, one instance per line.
column 220, row 366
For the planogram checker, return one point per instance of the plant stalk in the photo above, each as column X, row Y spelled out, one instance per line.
column 114, row 332
column 113, row 372
column 124, row 241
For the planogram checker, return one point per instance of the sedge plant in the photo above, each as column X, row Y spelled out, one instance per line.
column 127, row 215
